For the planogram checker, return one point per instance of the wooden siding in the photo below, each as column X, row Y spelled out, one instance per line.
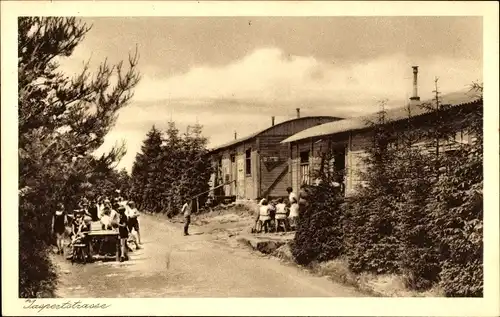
column 240, row 186
column 357, row 151
column 356, row 144
column 226, row 173
column 298, row 169
column 295, row 167
column 266, row 177
column 273, row 161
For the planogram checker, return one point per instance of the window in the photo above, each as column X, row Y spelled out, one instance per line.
column 304, row 157
column 304, row 167
column 233, row 158
column 248, row 161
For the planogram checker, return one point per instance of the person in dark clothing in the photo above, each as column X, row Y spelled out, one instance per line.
column 303, row 198
column 186, row 210
column 123, row 232
column 94, row 211
column 59, row 222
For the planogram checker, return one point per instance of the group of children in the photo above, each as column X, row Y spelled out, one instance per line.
column 116, row 215
column 278, row 214
column 123, row 216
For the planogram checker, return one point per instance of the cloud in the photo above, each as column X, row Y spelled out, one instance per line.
column 244, row 94
column 268, row 76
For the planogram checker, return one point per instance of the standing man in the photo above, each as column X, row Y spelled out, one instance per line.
column 186, row 210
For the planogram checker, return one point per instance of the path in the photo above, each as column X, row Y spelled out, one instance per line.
column 171, row 265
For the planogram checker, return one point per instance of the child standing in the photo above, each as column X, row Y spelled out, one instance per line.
column 59, row 222
column 133, row 222
column 281, row 215
column 264, row 215
column 294, row 207
column 123, row 232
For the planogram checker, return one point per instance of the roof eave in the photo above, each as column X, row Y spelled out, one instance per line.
column 292, row 139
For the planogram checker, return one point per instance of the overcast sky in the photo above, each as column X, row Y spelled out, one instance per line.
column 232, row 74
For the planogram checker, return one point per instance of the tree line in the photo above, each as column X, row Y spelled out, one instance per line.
column 419, row 212
column 171, row 169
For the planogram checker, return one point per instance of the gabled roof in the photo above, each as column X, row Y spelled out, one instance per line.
column 455, row 99
column 253, row 135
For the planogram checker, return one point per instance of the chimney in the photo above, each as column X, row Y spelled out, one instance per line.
column 235, row 135
column 298, row 112
column 414, row 99
column 272, row 121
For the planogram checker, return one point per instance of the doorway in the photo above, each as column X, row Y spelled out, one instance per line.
column 234, row 174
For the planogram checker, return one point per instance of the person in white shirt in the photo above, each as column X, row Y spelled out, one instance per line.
column 114, row 218
column 133, row 222
column 257, row 212
column 294, row 207
column 105, row 218
column 106, row 203
column 264, row 215
column 281, row 215
column 186, row 210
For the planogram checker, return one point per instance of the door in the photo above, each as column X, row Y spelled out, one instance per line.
column 240, row 187
column 234, row 175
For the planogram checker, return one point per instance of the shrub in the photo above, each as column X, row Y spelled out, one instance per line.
column 457, row 213
column 371, row 243
column 319, row 234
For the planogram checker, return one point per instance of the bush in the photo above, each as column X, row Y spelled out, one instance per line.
column 371, row 243
column 319, row 234
column 457, row 213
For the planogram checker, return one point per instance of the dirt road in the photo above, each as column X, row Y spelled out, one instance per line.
column 200, row 265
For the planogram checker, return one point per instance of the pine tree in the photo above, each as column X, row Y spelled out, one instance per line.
column 171, row 169
column 414, row 172
column 456, row 209
column 145, row 171
column 62, row 121
column 198, row 169
column 172, row 158
column 371, row 239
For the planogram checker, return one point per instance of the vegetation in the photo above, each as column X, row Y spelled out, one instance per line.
column 62, row 121
column 419, row 212
column 319, row 234
column 171, row 169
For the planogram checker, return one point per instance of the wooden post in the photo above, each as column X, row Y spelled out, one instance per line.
column 197, row 204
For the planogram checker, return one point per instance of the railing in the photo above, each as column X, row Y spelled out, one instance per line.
column 208, row 191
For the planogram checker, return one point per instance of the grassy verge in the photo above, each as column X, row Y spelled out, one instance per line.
column 385, row 285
